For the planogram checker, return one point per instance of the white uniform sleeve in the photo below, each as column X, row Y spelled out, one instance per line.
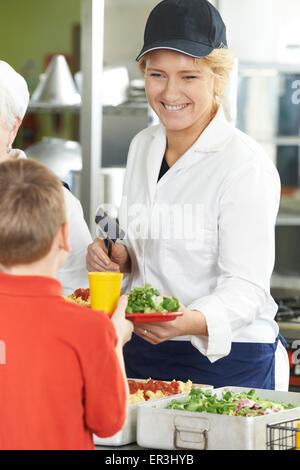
column 73, row 274
column 122, row 215
column 247, row 215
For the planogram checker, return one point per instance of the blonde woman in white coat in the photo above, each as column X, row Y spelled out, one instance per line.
column 199, row 209
column 14, row 98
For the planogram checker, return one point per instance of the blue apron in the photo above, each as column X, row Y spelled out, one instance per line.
column 247, row 364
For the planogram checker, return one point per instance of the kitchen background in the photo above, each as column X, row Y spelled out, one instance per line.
column 51, row 41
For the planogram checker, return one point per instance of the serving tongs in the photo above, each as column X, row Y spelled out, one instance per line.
column 108, row 229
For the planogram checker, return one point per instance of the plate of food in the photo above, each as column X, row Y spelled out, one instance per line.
column 80, row 297
column 145, row 304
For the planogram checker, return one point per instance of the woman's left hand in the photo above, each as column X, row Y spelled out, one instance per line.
column 191, row 323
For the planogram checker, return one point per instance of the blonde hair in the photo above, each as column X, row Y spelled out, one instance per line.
column 32, row 209
column 220, row 62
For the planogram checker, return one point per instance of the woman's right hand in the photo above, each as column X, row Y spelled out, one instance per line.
column 97, row 259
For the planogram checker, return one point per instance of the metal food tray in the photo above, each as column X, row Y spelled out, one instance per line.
column 161, row 428
column 127, row 434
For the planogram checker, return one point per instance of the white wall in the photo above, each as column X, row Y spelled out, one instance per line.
column 260, row 30
column 124, row 26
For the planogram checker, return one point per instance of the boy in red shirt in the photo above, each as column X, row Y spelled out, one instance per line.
column 62, row 374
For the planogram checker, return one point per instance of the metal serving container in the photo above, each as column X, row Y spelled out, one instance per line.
column 161, row 428
column 127, row 434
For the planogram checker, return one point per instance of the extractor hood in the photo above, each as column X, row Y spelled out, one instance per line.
column 56, row 89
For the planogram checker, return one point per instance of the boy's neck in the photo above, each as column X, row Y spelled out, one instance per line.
column 44, row 267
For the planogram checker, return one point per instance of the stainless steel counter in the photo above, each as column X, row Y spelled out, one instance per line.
column 129, row 447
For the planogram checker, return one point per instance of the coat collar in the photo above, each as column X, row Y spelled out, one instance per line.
column 215, row 137
column 155, row 156
column 18, row 154
column 29, row 286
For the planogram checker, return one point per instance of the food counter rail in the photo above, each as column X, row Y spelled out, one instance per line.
column 128, row 447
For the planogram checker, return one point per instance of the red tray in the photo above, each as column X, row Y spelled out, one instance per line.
column 152, row 317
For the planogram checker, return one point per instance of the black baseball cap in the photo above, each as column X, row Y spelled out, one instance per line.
column 193, row 27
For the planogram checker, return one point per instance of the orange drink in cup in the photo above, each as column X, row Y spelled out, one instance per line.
column 105, row 290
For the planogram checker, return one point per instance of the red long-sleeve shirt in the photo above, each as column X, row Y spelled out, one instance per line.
column 61, row 380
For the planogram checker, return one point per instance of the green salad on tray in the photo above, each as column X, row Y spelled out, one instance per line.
column 231, row 403
column 149, row 300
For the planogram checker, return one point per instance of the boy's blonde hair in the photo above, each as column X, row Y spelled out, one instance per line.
column 32, row 209
column 220, row 61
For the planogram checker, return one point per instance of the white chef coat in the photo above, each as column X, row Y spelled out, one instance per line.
column 73, row 274
column 224, row 192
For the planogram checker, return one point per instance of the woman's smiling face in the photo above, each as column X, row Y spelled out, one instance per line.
column 178, row 91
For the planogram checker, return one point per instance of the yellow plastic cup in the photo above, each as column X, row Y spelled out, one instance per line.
column 105, row 290
column 298, row 436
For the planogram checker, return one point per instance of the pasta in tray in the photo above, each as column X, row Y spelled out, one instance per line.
column 144, row 390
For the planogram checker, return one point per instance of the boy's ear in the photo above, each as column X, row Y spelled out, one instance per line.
column 64, row 242
column 15, row 129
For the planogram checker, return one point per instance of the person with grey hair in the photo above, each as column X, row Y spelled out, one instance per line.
column 14, row 99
